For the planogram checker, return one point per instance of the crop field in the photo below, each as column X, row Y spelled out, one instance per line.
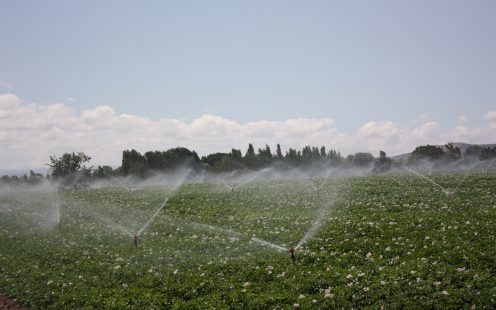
column 395, row 241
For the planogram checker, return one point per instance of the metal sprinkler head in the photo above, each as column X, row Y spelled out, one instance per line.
column 135, row 240
column 292, row 250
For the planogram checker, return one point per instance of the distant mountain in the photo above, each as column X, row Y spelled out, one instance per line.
column 461, row 145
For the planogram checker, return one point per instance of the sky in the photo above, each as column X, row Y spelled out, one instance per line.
column 104, row 76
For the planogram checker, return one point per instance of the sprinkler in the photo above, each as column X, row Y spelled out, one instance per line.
column 135, row 240
column 293, row 256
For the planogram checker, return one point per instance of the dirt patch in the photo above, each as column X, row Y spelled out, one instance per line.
column 7, row 303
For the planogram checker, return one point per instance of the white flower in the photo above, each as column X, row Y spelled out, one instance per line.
column 368, row 255
column 365, row 289
column 437, row 283
column 49, row 282
column 246, row 284
column 296, row 306
column 462, row 269
column 301, row 296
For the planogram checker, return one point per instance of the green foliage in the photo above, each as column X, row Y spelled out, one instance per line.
column 383, row 163
column 70, row 168
column 133, row 163
column 482, row 153
column 392, row 242
column 361, row 159
column 453, row 153
column 429, row 152
column 69, row 164
column 104, row 172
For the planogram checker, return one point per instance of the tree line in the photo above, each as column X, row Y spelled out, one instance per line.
column 73, row 167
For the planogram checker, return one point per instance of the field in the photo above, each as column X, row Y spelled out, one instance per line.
column 395, row 241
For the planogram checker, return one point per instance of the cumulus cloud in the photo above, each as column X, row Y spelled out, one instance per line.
column 491, row 115
column 29, row 133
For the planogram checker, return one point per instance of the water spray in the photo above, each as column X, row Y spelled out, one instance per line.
column 444, row 190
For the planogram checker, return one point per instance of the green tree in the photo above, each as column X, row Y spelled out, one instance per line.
column 362, row 159
column 69, row 165
column 133, row 163
column 103, row 172
column 383, row 163
column 453, row 153
column 180, row 157
column 279, row 152
column 250, row 158
column 429, row 152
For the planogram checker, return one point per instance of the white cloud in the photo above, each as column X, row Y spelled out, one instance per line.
column 29, row 133
column 491, row 115
column 462, row 119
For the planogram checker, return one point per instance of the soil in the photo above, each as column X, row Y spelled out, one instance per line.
column 7, row 303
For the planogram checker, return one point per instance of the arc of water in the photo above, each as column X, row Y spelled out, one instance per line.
column 109, row 222
column 464, row 177
column 269, row 244
column 56, row 204
column 123, row 185
column 5, row 208
column 319, row 221
column 255, row 175
column 226, row 231
column 489, row 165
column 153, row 217
column 325, row 179
column 224, row 182
column 444, row 190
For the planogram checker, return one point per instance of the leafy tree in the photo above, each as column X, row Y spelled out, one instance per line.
column 473, row 151
column 133, row 163
column 453, row 153
column 236, row 155
column 279, row 152
column 180, row 156
column 323, row 153
column 429, row 152
column 220, row 162
column 264, row 157
column 155, row 160
column 250, row 158
column 103, row 172
column 334, row 157
column 480, row 152
column 35, row 178
column 383, row 163
column 361, row 159
column 70, row 165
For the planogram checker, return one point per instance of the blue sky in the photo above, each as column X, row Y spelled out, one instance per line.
column 248, row 61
